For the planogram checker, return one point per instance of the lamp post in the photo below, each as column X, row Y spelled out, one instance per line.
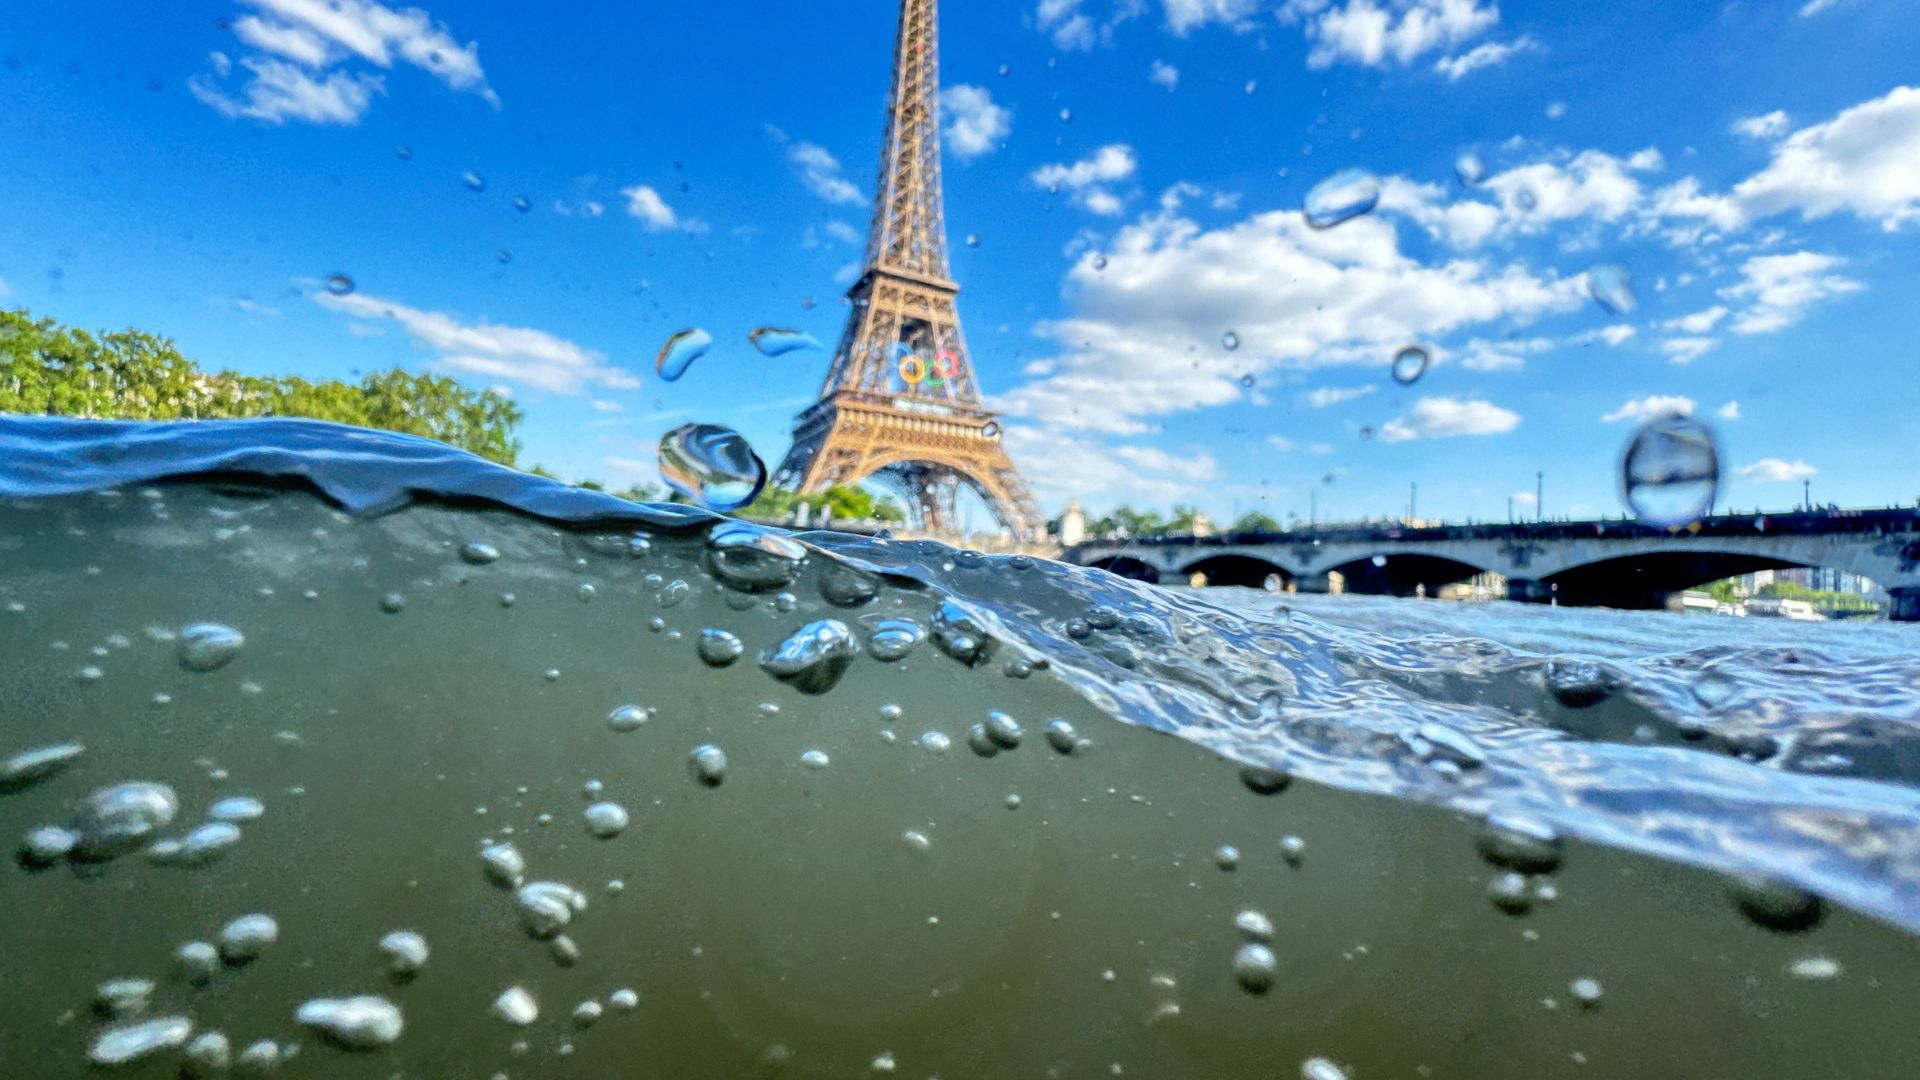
column 1413, row 494
column 1313, row 508
column 1509, row 509
column 1540, row 496
column 1806, row 494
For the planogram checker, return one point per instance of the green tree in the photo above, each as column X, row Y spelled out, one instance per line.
column 1255, row 521
column 133, row 375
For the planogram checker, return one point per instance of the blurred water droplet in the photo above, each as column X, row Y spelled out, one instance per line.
column 711, row 464
column 353, row 1023
column 917, row 840
column 1066, row 116
column 1469, row 168
column 339, row 284
column 813, row 658
column 1227, row 857
column 776, row 341
column 844, row 586
column 1246, row 382
column 403, row 152
column 1525, row 199
column 1229, row 341
column 1518, row 842
column 1099, row 262
column 522, row 203
column 1670, row 474
column 195, row 962
column 1409, row 364
column 117, row 998
column 1815, row 967
column 973, row 240
column 990, row 430
column 815, row 759
column 1264, row 781
column 680, row 351
column 959, row 635
column 503, row 255
column 1612, row 288
column 1345, row 195
column 1061, row 736
column 1254, row 966
column 473, row 180
column 708, row 764
column 1004, row 730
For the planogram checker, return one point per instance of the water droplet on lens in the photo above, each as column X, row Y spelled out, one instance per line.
column 1469, row 168
column 1099, row 262
column 708, row 764
column 680, row 351
column 606, row 820
column 973, row 240
column 473, row 180
column 353, row 1023
column 516, row 1006
column 1344, row 195
column 812, row 658
column 1409, row 364
column 246, row 937
column 1254, row 965
column 1293, row 849
column 776, row 341
column 1246, row 382
column 206, row 646
column 1670, row 474
column 1612, row 288
column 1525, row 199
column 522, row 203
column 339, row 284
column 712, row 465
column 406, row 953
column 1229, row 341
column 123, row 1044
column 29, row 767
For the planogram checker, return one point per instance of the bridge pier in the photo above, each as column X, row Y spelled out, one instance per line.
column 1526, row 591
column 1319, row 584
column 1905, row 605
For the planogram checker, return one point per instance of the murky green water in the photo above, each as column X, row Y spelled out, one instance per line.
column 844, row 897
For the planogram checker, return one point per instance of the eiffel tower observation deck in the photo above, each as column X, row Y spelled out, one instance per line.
column 901, row 402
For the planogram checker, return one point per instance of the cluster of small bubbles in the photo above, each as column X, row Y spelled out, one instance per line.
column 361, row 1022
column 1775, row 905
column 516, row 1006
column 606, row 819
column 245, row 938
column 627, row 718
column 1345, row 195
column 1612, row 288
column 1226, row 857
column 1262, row 780
column 29, row 767
column 393, row 603
column 935, row 741
column 339, row 284
column 116, row 819
column 1319, row 1068
column 1254, row 925
column 504, row 865
column 892, row 639
column 406, row 953
column 813, row 658
column 1293, row 849
column 548, row 907
column 124, row 1044
column 122, row 997
column 708, row 764
column 1254, row 966
column 718, row 648
column 712, row 465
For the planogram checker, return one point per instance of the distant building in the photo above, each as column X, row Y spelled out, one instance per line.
column 1073, row 525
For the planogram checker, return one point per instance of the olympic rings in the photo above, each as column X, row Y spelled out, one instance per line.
column 912, row 369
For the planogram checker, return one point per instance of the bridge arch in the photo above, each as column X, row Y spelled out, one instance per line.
column 1403, row 573
column 1647, row 579
column 906, row 474
column 1127, row 566
column 1246, row 571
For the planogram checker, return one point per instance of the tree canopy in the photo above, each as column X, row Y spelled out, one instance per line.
column 133, row 375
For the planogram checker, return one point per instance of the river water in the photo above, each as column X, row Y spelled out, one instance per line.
column 644, row 792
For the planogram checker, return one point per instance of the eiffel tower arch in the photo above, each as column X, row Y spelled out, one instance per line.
column 900, row 402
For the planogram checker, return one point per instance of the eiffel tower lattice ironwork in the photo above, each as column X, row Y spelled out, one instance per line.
column 900, row 400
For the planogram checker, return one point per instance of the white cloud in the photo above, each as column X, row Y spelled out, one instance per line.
column 819, row 170
column 1764, row 126
column 1700, row 322
column 1684, row 199
column 1079, row 467
column 4, row 289
column 1364, row 32
column 645, row 204
column 1334, row 395
column 1084, row 179
column 1490, row 54
column 1530, row 198
column 602, row 405
column 1814, row 7
column 1144, row 337
column 279, row 91
column 240, row 303
column 1523, row 498
column 1163, row 74
column 1865, row 160
column 1445, row 417
column 975, row 125
column 1071, row 28
column 1193, row 465
column 1729, row 411
column 1640, row 410
column 1685, row 350
column 1185, row 15
column 1774, row 470
column 1556, row 110
column 513, row 353
column 843, row 232
column 1779, row 289
column 1616, row 333
column 300, row 42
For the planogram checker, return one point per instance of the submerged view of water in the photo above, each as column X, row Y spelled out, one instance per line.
column 339, row 753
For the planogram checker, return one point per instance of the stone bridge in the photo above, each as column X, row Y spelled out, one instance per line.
column 1618, row 564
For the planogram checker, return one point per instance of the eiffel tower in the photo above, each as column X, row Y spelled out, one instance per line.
column 900, row 400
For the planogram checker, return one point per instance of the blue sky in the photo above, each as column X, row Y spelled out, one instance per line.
column 1754, row 166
